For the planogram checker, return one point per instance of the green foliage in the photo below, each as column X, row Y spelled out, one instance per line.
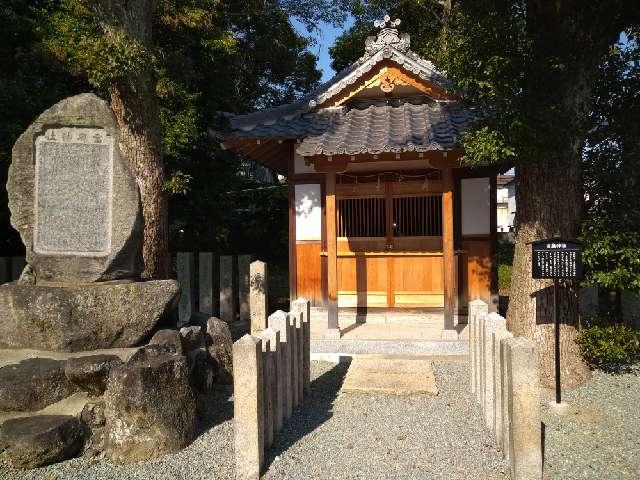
column 104, row 56
column 178, row 183
column 609, row 347
column 484, row 145
column 31, row 80
column 611, row 229
column 206, row 56
column 504, row 278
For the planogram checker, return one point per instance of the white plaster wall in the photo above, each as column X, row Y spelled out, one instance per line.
column 308, row 211
column 476, row 204
column 299, row 166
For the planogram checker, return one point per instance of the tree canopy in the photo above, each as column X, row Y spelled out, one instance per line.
column 207, row 57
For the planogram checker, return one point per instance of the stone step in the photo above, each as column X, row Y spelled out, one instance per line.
column 327, row 349
column 397, row 376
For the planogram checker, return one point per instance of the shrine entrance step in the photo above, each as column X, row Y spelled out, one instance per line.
column 396, row 376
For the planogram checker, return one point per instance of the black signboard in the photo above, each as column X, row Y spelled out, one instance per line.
column 556, row 258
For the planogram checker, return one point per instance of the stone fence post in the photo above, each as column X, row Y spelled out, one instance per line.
column 186, row 277
column 258, row 295
column 303, row 305
column 477, row 309
column 248, row 407
column 280, row 321
column 206, row 284
column 244, row 281
column 227, row 300
column 4, row 270
column 493, row 323
column 523, row 394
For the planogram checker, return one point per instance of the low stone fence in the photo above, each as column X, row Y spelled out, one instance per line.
column 271, row 376
column 221, row 286
column 506, row 382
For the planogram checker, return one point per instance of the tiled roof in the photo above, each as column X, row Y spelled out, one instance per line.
column 395, row 124
column 388, row 45
column 399, row 125
column 390, row 128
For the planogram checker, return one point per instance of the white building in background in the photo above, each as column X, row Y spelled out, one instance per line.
column 506, row 202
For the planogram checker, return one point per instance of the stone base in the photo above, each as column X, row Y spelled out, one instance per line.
column 83, row 317
column 562, row 408
column 332, row 334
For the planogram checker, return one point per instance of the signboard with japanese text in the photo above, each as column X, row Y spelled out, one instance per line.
column 556, row 258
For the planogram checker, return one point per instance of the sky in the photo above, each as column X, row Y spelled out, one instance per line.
column 324, row 38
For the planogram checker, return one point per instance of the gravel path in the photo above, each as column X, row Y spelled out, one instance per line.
column 600, row 438
column 360, row 436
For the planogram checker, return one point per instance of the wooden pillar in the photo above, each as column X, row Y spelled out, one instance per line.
column 448, row 253
column 333, row 329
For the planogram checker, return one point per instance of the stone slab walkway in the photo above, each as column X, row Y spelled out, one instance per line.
column 398, row 376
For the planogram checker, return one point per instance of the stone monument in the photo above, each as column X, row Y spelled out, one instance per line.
column 75, row 202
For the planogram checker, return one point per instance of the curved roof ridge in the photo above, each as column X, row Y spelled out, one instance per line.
column 389, row 44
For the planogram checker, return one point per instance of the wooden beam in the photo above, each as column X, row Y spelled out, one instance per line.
column 293, row 257
column 332, row 254
column 448, row 253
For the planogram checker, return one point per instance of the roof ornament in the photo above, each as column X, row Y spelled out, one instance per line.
column 388, row 36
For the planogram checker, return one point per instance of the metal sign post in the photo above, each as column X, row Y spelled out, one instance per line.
column 556, row 259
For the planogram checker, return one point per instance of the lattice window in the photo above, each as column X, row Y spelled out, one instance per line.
column 417, row 216
column 361, row 217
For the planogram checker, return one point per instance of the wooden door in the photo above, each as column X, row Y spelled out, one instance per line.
column 390, row 247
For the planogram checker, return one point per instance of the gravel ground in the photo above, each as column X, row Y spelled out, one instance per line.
column 600, row 437
column 359, row 436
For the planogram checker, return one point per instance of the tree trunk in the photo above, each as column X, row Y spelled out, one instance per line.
column 138, row 117
column 135, row 105
column 549, row 204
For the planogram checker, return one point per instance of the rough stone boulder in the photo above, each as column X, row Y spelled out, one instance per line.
column 83, row 317
column 150, row 408
column 32, row 442
column 73, row 195
column 192, row 337
column 33, row 384
column 220, row 347
column 91, row 372
column 169, row 340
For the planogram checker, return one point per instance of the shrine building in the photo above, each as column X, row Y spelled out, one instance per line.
column 382, row 216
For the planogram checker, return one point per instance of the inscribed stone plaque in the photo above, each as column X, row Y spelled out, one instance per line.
column 73, row 196
column 74, row 174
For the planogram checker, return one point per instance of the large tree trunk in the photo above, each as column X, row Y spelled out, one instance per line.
column 549, row 203
column 139, row 121
column 136, row 108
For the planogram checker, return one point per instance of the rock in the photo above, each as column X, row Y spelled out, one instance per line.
column 192, row 337
column 169, row 339
column 73, row 196
column 32, row 442
column 148, row 352
column 202, row 370
column 220, row 347
column 150, row 408
column 87, row 317
column 94, row 418
column 90, row 373
column 93, row 414
column 33, row 384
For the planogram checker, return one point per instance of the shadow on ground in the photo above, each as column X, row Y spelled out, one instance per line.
column 317, row 409
column 215, row 408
